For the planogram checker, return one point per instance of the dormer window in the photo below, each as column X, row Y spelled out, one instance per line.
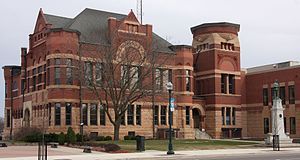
column 132, row 28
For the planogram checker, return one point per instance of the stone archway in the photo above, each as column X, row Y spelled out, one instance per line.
column 197, row 118
column 27, row 117
column 198, row 114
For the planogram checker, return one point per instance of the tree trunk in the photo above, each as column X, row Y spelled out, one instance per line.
column 116, row 131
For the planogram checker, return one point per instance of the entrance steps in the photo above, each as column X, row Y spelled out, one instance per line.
column 201, row 134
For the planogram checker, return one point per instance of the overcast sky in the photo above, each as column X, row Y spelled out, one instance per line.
column 270, row 29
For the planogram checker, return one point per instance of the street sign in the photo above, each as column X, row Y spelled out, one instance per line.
column 172, row 106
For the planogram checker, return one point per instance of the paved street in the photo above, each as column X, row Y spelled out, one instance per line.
column 29, row 153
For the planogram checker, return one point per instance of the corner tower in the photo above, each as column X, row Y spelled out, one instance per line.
column 218, row 76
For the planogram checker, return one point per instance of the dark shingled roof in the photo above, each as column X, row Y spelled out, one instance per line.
column 56, row 21
column 92, row 25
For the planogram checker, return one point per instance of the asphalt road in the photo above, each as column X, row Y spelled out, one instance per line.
column 270, row 155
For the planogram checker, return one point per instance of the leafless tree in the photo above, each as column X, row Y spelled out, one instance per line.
column 125, row 73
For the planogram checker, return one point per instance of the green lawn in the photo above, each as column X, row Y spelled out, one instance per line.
column 162, row 145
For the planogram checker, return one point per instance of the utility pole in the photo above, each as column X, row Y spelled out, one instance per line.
column 80, row 94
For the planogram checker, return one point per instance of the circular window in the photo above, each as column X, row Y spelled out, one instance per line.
column 280, row 115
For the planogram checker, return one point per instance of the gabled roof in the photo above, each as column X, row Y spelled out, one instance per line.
column 56, row 21
column 93, row 27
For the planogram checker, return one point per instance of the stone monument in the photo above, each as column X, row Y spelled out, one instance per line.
column 277, row 120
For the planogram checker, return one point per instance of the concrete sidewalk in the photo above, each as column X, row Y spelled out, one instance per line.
column 153, row 154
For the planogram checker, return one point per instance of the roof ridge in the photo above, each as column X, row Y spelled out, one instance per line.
column 105, row 11
column 57, row 16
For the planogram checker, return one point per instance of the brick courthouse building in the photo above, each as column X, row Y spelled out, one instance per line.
column 213, row 94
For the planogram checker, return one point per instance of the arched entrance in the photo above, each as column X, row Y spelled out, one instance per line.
column 27, row 117
column 197, row 118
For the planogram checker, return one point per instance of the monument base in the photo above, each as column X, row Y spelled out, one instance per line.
column 283, row 139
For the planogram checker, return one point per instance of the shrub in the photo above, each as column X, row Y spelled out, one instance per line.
column 100, row 138
column 34, row 137
column 61, row 138
column 108, row 138
column 129, row 138
column 51, row 137
column 78, row 137
column 70, row 137
column 28, row 134
column 111, row 147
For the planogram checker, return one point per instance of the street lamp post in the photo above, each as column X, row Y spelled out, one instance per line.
column 170, row 88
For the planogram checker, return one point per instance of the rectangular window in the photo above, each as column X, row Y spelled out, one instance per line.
column 130, row 115
column 266, row 126
column 57, row 113
column 158, row 79
column 57, row 61
column 138, row 115
column 165, row 79
column 156, row 115
column 188, row 80
column 22, row 86
column 8, row 118
column 57, row 75
column 69, row 62
column 48, row 76
column 99, row 71
column 123, row 119
column 228, row 119
column 34, row 71
column 187, row 115
column 134, row 76
column 233, row 116
column 40, row 69
column 45, row 80
column 231, row 84
column 124, row 75
column 33, row 83
column 84, row 114
column 88, row 73
column 69, row 71
column 282, row 94
column 93, row 115
column 102, row 115
column 223, row 83
column 68, row 114
column 69, row 75
column 265, row 97
column 292, row 125
column 39, row 78
column 223, row 114
column 284, row 123
column 163, row 115
column 292, row 94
